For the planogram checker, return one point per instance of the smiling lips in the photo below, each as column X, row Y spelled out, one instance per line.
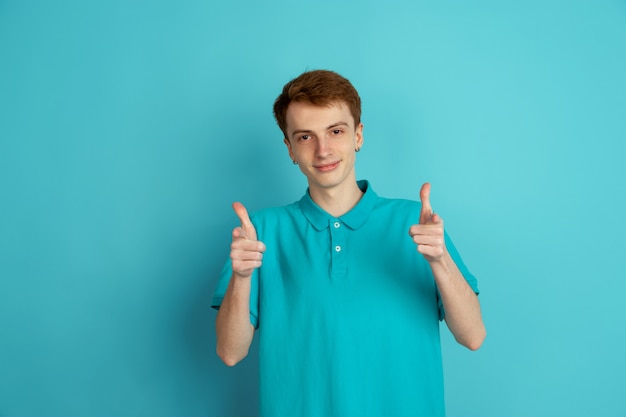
column 327, row 167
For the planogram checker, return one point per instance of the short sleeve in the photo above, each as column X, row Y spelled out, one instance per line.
column 469, row 277
column 222, row 285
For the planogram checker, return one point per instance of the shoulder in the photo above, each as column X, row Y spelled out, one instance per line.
column 276, row 223
column 273, row 215
column 392, row 210
column 396, row 212
column 397, row 205
column 384, row 204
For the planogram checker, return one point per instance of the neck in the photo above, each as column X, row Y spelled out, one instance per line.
column 336, row 201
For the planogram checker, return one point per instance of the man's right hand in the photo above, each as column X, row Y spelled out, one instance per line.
column 246, row 252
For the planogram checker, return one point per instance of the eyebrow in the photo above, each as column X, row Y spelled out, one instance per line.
column 295, row 132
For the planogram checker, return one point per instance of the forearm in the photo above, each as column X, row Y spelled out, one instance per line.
column 233, row 327
column 460, row 303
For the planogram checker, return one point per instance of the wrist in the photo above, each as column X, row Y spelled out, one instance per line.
column 441, row 263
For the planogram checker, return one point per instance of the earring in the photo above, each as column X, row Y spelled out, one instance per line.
column 295, row 162
column 357, row 149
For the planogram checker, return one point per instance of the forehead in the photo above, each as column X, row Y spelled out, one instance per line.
column 309, row 116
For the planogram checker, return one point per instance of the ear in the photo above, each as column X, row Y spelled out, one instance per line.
column 359, row 135
column 286, row 141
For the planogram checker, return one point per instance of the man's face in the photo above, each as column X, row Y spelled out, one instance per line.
column 323, row 141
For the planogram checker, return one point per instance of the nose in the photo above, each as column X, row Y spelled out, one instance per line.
column 323, row 148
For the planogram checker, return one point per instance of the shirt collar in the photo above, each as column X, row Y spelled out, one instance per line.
column 354, row 219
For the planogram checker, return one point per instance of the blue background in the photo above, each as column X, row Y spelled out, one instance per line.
column 128, row 127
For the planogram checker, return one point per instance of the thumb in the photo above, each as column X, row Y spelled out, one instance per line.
column 427, row 211
column 244, row 218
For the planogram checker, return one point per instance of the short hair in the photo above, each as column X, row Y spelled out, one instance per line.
column 320, row 88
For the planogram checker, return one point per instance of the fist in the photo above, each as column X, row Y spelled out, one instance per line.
column 246, row 252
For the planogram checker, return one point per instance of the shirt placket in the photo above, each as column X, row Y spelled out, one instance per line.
column 338, row 248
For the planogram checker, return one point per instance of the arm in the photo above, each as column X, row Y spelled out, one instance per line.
column 233, row 328
column 460, row 303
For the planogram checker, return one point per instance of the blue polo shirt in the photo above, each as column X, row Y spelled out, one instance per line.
column 347, row 312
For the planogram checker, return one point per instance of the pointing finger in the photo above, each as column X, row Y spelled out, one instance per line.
column 427, row 211
column 244, row 218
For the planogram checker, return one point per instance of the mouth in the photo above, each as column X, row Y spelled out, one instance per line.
column 327, row 167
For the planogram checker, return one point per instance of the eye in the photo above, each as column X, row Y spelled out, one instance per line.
column 304, row 137
column 337, row 131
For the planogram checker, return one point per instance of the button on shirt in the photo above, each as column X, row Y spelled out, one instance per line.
column 347, row 312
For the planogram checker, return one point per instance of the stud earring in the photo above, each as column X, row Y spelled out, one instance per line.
column 295, row 162
column 357, row 149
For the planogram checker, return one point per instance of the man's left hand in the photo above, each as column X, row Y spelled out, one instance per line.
column 428, row 234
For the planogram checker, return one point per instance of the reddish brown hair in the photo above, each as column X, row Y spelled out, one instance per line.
column 320, row 88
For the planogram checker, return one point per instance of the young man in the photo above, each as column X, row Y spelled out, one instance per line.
column 346, row 288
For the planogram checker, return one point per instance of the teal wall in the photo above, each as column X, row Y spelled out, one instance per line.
column 128, row 127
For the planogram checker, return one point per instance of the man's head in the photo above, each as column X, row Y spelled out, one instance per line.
column 320, row 88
